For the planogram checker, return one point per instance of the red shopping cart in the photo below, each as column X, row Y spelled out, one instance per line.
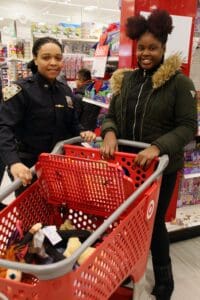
column 117, row 199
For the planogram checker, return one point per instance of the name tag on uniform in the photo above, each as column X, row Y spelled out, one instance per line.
column 69, row 102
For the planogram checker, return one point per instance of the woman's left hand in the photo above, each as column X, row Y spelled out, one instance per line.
column 145, row 156
column 88, row 136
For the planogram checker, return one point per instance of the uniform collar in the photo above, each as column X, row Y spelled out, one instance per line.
column 44, row 82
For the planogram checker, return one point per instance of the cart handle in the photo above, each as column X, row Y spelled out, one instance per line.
column 58, row 149
column 62, row 267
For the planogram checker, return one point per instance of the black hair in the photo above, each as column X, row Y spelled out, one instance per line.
column 84, row 74
column 32, row 66
column 159, row 23
column 42, row 41
column 36, row 47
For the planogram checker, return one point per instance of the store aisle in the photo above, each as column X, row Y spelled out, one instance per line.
column 186, row 262
column 186, row 268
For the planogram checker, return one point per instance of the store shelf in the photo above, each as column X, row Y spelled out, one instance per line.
column 80, row 40
column 64, row 38
column 187, row 223
column 110, row 58
column 194, row 175
column 18, row 59
column 95, row 102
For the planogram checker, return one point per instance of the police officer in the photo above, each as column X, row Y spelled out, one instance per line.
column 37, row 112
column 2, row 166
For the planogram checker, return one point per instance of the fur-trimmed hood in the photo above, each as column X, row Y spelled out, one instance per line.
column 170, row 66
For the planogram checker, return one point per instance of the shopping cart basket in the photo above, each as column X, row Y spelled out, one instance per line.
column 122, row 253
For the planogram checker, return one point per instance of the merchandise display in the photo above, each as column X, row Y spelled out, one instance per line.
column 14, row 58
column 99, row 91
column 72, row 63
column 84, row 30
column 189, row 191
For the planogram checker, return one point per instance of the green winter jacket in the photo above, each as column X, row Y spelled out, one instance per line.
column 165, row 112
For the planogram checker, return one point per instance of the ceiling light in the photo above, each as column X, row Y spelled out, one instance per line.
column 62, row 3
column 110, row 9
column 68, row 18
column 45, row 13
column 90, row 7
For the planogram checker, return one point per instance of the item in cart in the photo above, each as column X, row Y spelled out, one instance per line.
column 67, row 225
column 84, row 256
column 14, row 275
column 72, row 245
column 10, row 255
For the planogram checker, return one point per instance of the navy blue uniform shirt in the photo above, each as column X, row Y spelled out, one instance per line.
column 34, row 116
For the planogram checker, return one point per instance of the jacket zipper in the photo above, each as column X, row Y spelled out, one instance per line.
column 138, row 99
column 145, row 107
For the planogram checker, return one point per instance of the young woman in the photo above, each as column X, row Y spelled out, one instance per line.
column 155, row 104
column 37, row 112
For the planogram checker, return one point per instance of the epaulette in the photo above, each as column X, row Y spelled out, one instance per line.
column 10, row 91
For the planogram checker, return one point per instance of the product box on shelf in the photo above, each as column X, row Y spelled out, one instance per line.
column 113, row 42
column 99, row 91
column 91, row 30
column 189, row 191
column 198, row 111
column 72, row 63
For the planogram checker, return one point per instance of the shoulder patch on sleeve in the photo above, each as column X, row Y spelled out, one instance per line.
column 10, row 91
column 193, row 93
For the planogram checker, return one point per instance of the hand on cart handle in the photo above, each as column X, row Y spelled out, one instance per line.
column 88, row 136
column 144, row 157
column 109, row 145
column 20, row 171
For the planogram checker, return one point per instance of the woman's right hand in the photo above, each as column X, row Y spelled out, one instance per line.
column 20, row 171
column 109, row 145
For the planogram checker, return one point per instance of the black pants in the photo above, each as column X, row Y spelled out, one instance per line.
column 160, row 238
column 2, row 169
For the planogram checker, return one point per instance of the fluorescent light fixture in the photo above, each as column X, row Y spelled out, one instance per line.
column 45, row 13
column 68, row 18
column 63, row 3
column 87, row 8
column 110, row 9
column 90, row 7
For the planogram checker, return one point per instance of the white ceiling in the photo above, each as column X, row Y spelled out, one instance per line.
column 52, row 11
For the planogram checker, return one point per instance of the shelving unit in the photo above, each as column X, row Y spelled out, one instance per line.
column 64, row 38
column 110, row 59
column 187, row 223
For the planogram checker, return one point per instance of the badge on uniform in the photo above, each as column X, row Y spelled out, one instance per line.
column 69, row 101
column 10, row 91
